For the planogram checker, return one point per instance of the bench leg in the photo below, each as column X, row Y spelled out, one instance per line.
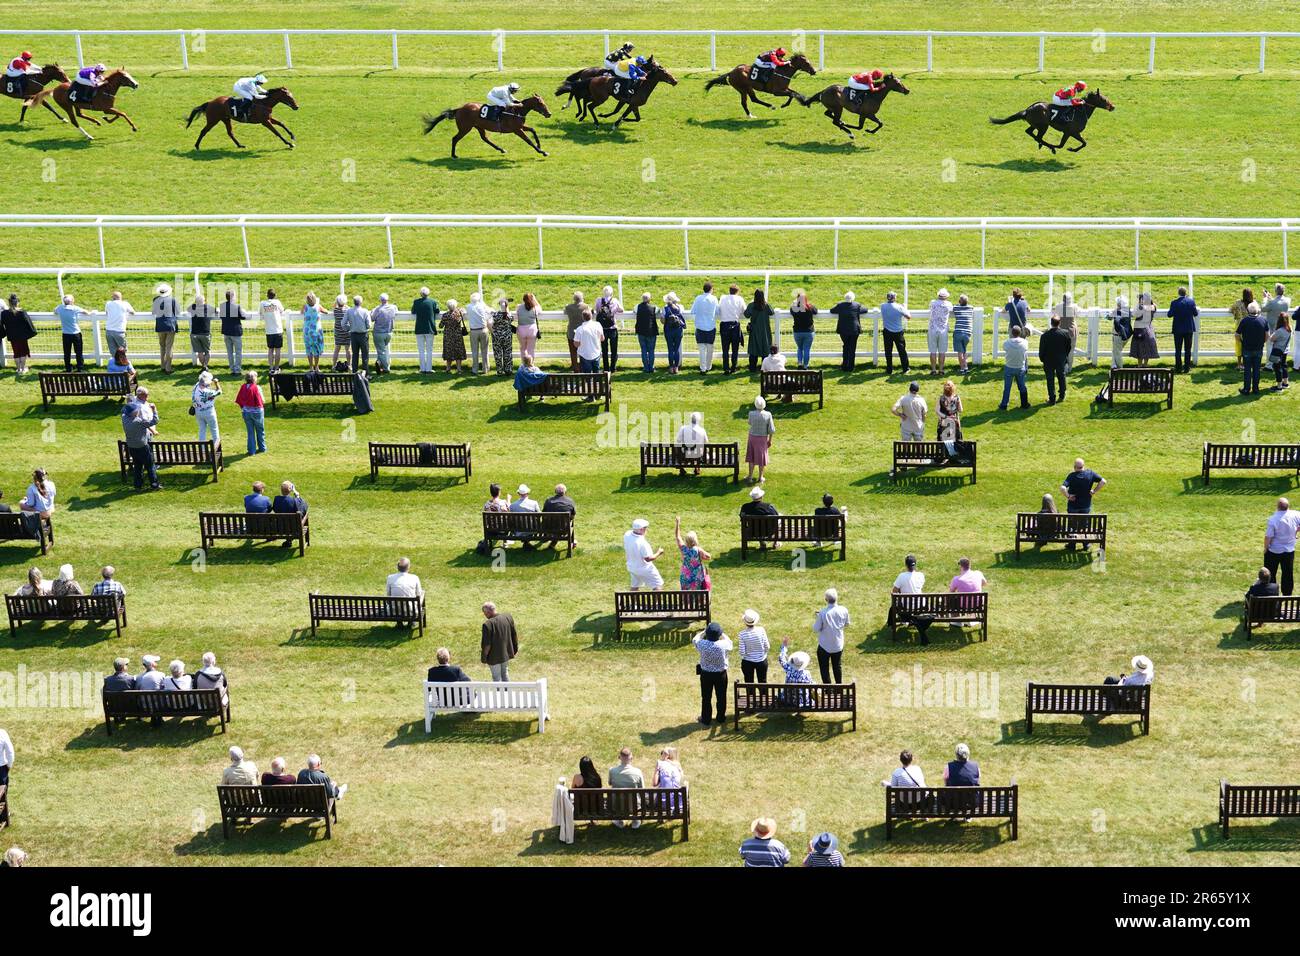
column 225, row 826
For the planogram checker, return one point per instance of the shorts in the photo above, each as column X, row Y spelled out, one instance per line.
column 649, row 578
column 275, row 341
column 961, row 342
column 938, row 340
column 201, row 344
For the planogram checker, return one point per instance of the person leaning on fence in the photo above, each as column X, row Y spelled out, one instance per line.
column 963, row 329
column 69, row 315
column 647, row 332
column 575, row 315
column 674, row 329
column 1121, row 330
column 359, row 326
column 116, row 312
column 731, row 308
column 1183, row 311
column 848, row 326
column 607, row 309
column 893, row 319
column 166, row 313
column 478, row 318
column 1252, row 334
column 937, row 331
column 1068, row 313
column 201, row 316
column 384, row 318
column 528, row 318
column 759, row 327
column 454, row 332
column 342, row 333
column 803, row 315
column 424, row 311
column 19, row 330
column 502, row 333
column 1143, row 345
column 590, row 336
column 233, row 317
column 271, row 312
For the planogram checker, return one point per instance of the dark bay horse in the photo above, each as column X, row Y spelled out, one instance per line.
column 748, row 80
column 220, row 110
column 33, row 84
column 1040, row 118
column 602, row 88
column 836, row 100
column 474, row 116
column 102, row 102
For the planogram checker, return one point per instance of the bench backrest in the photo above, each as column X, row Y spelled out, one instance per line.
column 792, row 381
column 240, row 524
column 941, row 604
column 609, row 803
column 685, row 603
column 1273, row 608
column 810, row 697
column 73, row 607
column 1141, row 381
column 712, row 454
column 174, row 452
column 485, row 695
column 154, row 703
column 13, row 527
column 1250, row 456
column 926, row 451
column 363, row 607
column 412, row 455
column 536, row 522
column 1254, row 800
column 85, row 383
column 296, row 799
column 1037, row 522
column 571, row 383
column 951, row 801
column 1087, row 698
column 792, row 527
column 325, row 383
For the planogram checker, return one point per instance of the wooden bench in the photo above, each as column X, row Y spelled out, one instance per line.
column 103, row 385
column 1249, row 458
column 214, row 525
column 794, row 699
column 486, row 697
column 944, row 607
column 13, row 527
column 419, row 455
column 773, row 529
column 1255, row 800
column 1278, row 609
column 627, row 803
column 366, row 608
column 586, row 385
column 952, row 803
column 1087, row 700
column 120, row 705
column 313, row 385
column 529, row 526
column 297, row 801
column 916, row 455
column 806, row 381
column 1036, row 528
column 166, row 453
column 1138, row 381
column 659, row 606
column 724, row 455
column 71, row 607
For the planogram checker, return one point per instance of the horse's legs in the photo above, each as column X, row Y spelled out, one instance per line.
column 1074, row 149
column 72, row 115
column 834, row 114
column 876, row 120
column 753, row 97
column 276, row 133
column 115, row 113
column 46, row 104
column 482, row 134
column 1037, row 133
column 272, row 119
column 460, row 134
column 88, row 119
column 523, row 132
column 230, row 132
column 211, row 123
column 628, row 112
column 617, row 106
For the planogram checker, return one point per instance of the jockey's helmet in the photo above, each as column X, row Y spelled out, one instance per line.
column 513, row 87
column 779, row 51
column 260, row 80
column 99, row 68
column 25, row 55
column 1080, row 86
column 640, row 61
column 877, row 74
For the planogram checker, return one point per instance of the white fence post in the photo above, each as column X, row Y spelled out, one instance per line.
column 686, row 242
column 713, row 51
column 185, row 50
column 836, row 257
column 343, row 281
column 243, row 235
column 1094, row 327
column 501, row 51
column 288, row 52
column 388, row 236
column 1263, row 46
column 1137, row 243
column 821, row 50
column 984, row 239
column 929, row 53
column 1042, row 50
column 541, row 248
column 99, row 228
column 395, row 62
column 1151, row 55
column 905, row 283
column 1285, row 264
column 606, row 45
column 98, row 343
column 81, row 60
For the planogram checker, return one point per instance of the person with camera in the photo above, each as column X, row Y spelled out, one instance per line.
column 140, row 424
column 203, row 406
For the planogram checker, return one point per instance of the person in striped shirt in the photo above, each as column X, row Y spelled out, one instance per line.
column 823, row 850
column 963, row 327
column 763, row 848
column 342, row 332
column 108, row 584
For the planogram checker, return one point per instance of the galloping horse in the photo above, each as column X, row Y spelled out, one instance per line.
column 602, row 88
column 101, row 103
column 25, row 87
column 748, row 80
column 1040, row 117
column 836, row 99
column 479, row 117
column 220, row 110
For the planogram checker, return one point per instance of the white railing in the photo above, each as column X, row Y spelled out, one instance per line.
column 835, row 227
column 797, row 39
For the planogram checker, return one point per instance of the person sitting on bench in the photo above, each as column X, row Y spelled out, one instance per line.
column 402, row 583
column 276, row 777
column 288, row 501
column 757, row 507
column 910, row 581
column 257, row 503
column 962, row 772
column 36, row 584
column 313, row 773
column 119, row 680
column 1265, row 586
column 1144, row 672
column 445, row 672
column 241, row 772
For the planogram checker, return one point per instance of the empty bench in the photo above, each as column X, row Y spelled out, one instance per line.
column 1277, row 609
column 98, row 608
column 659, row 606
column 419, row 455
column 952, row 803
column 165, row 453
column 56, row 385
column 291, row 385
column 585, row 385
column 16, row 526
column 529, row 526
column 1139, row 381
column 1254, row 800
column 240, row 525
column 366, row 608
column 793, row 382
column 918, row 455
column 1088, row 700
column 794, row 699
column 1249, row 458
column 296, row 801
column 120, row 705
column 965, row 608
column 486, row 697
column 723, row 455
column 1038, row 528
column 764, row 530
column 647, row 805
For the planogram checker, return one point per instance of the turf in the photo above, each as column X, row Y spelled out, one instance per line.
column 477, row 791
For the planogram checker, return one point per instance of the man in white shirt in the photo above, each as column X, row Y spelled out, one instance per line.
column 524, row 502
column 1015, row 351
column 271, row 312
column 641, row 557
column 116, row 312
column 731, row 308
column 241, row 772
column 359, row 326
column 909, row 581
column 692, row 437
column 910, row 410
column 1279, row 545
column 403, row 583
column 704, row 315
column 477, row 316
column 150, row 678
column 6, row 757
column 589, row 335
column 906, row 774
column 829, row 625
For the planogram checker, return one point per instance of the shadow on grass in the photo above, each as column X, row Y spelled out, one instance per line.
column 464, row 162
column 1247, row 837
column 824, row 147
column 66, row 634
column 309, row 406
column 1037, row 165
column 584, row 132
column 245, row 552
column 788, row 727
column 391, row 483
column 781, row 412
column 377, row 635
column 558, row 410
column 1253, row 485
column 913, row 483
column 1227, row 401
column 60, row 143
column 111, row 487
column 1126, row 411
column 1078, row 734
column 97, row 410
column 486, row 380
column 1037, row 557
column 1014, row 413
column 932, row 836
column 604, row 839
column 518, row 555
column 466, row 728
column 943, row 637
column 142, row 735
column 809, row 556
column 706, row 485
column 262, row 836
column 738, row 123
column 1279, row 640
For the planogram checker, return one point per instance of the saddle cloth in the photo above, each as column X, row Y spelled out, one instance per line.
column 761, row 74
column 493, row 114
column 15, row 85
column 624, row 90
column 81, row 93
column 854, row 96
column 1064, row 114
column 240, row 110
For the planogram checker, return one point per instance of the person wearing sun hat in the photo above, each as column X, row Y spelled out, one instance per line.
column 1144, row 672
column 754, row 646
column 824, row 850
column 641, row 556
column 763, row 848
column 796, row 668
column 713, row 646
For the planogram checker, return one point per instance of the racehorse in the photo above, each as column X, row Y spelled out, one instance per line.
column 602, row 88
column 102, row 102
column 479, row 117
column 836, row 99
column 34, row 83
column 1069, row 124
column 220, row 110
column 748, row 80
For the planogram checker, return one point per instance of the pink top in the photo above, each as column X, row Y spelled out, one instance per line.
column 969, row 581
column 250, row 396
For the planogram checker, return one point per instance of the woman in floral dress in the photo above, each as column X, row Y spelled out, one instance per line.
column 453, row 329
column 668, row 775
column 313, row 336
column 694, row 573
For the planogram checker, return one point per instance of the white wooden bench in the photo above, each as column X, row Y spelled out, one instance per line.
column 486, row 696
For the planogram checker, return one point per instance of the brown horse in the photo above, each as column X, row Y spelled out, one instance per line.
column 1042, row 116
column 602, row 88
column 475, row 116
column 33, row 84
column 748, row 80
column 220, row 110
column 836, row 100
column 102, row 102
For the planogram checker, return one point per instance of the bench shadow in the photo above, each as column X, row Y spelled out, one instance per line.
column 390, row 483
column 665, row 635
column 932, row 836
column 1128, row 410
column 706, row 484
column 1236, row 640
column 604, row 839
column 554, row 409
column 470, row 558
column 262, row 836
column 479, row 381
column 1258, row 485
column 812, row 557
column 142, row 735
column 951, row 638
column 1035, row 557
column 1278, row 836
column 466, row 728
column 1076, row 734
column 64, row 634
column 809, row 728
column 780, row 410
column 247, row 552
column 912, row 482
column 378, row 635
column 309, row 406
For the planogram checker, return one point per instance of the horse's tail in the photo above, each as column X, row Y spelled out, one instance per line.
column 574, row 76
column 717, row 81
column 810, row 100
column 194, row 113
column 566, row 87
column 431, row 121
column 1010, row 119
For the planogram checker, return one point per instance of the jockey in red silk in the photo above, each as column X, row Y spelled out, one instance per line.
column 1069, row 95
column 772, row 58
column 872, row 82
column 21, row 65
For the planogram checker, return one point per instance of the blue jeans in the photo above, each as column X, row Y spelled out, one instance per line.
column 1016, row 375
column 803, row 348
column 1251, row 359
column 673, row 340
column 382, row 342
column 647, row 351
column 255, row 423
column 588, row 365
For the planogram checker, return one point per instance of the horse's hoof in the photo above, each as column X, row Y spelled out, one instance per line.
column 545, row 153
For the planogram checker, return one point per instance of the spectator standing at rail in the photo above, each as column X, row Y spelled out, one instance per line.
column 1278, row 344
column 1252, row 333
column 893, row 319
column 18, row 328
column 674, row 329
column 574, row 314
column 963, row 329
column 606, row 311
column 166, row 311
column 528, row 318
column 359, row 326
column 201, row 316
column 1183, row 311
column 232, row 331
column 342, row 333
column 704, row 316
column 802, row 316
column 313, row 331
column 271, row 312
column 759, row 314
column 937, row 334
column 116, row 311
column 647, row 332
column 425, row 311
column 848, row 326
column 731, row 307
column 69, row 315
column 479, row 319
column 384, row 318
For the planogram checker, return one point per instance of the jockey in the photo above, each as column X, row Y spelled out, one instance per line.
column 612, row 61
column 90, row 76
column 504, row 96
column 1069, row 95
column 250, row 88
column 21, row 65
column 772, row 58
column 872, row 82
column 631, row 69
